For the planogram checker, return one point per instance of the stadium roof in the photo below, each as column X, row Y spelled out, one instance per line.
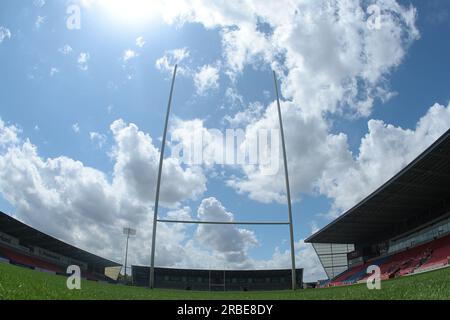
column 414, row 192
column 30, row 236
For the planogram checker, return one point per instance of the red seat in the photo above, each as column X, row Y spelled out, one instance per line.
column 29, row 261
column 434, row 253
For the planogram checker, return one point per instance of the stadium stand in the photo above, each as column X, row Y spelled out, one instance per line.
column 25, row 246
column 216, row 280
column 29, row 261
column 439, row 255
column 3, row 258
column 423, row 257
column 403, row 227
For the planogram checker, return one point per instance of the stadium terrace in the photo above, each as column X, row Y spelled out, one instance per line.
column 403, row 227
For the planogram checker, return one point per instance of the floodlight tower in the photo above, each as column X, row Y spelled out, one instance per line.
column 128, row 232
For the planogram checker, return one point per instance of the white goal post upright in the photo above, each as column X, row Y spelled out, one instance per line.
column 288, row 189
column 158, row 184
column 288, row 192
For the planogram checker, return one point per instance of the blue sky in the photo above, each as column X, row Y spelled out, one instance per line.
column 65, row 108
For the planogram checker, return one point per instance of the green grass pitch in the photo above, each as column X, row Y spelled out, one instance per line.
column 22, row 283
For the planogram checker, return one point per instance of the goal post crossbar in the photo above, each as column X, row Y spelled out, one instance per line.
column 226, row 222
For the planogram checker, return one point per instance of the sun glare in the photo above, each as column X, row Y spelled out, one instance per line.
column 130, row 11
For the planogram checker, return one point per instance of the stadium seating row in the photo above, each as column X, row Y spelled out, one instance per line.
column 426, row 256
column 26, row 260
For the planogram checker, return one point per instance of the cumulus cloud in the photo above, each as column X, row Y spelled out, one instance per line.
column 5, row 33
column 234, row 98
column 305, row 258
column 330, row 57
column 98, row 139
column 40, row 20
column 66, row 49
column 53, row 71
column 39, row 3
column 250, row 114
column 193, row 143
column 172, row 57
column 128, row 55
column 207, row 78
column 81, row 205
column 226, row 240
column 76, row 127
column 328, row 60
column 83, row 60
column 325, row 165
column 310, row 149
column 140, row 42
column 136, row 165
column 383, row 151
column 8, row 134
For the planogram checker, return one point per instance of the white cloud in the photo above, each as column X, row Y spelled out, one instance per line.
column 172, row 57
column 331, row 61
column 199, row 145
column 305, row 257
column 39, row 3
column 5, row 33
column 323, row 164
column 207, row 78
column 310, row 149
column 83, row 60
column 139, row 170
column 129, row 54
column 328, row 62
column 328, row 59
column 79, row 204
column 40, row 20
column 247, row 116
column 228, row 241
column 8, row 134
column 246, row 45
column 140, row 42
column 66, row 49
column 98, row 139
column 234, row 98
column 53, row 71
column 383, row 151
column 76, row 127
